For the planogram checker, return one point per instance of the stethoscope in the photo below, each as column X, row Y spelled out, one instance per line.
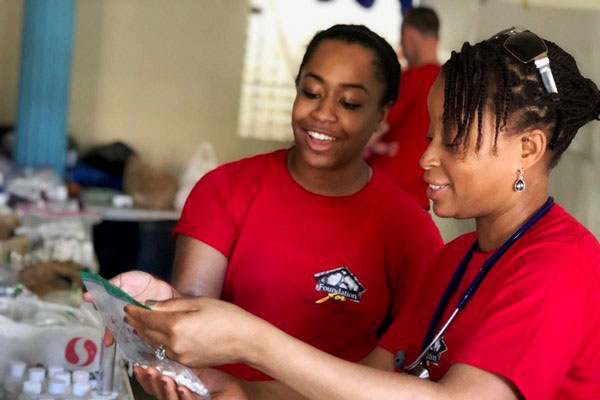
column 418, row 367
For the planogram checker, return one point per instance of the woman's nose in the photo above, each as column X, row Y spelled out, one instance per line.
column 324, row 112
column 430, row 157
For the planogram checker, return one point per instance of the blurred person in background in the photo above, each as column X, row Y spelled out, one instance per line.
column 396, row 148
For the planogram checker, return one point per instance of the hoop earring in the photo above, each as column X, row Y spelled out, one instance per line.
column 520, row 183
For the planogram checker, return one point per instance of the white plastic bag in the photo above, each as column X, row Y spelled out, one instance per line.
column 204, row 161
column 38, row 332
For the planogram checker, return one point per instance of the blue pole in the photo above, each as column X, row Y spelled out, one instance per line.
column 44, row 83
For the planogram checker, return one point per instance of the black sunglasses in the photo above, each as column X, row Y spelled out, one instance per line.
column 526, row 47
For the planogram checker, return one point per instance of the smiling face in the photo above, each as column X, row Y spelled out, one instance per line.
column 337, row 106
column 466, row 183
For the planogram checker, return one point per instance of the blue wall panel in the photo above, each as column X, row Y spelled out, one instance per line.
column 44, row 83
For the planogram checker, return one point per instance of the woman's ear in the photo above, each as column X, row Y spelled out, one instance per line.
column 533, row 147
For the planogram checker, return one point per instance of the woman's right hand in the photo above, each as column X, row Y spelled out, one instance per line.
column 220, row 385
column 142, row 287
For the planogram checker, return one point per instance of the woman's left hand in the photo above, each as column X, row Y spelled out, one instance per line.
column 220, row 385
column 199, row 331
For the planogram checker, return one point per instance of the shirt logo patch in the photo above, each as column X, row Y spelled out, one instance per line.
column 339, row 284
column 435, row 352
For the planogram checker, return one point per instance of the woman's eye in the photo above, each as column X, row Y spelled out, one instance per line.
column 310, row 94
column 429, row 138
column 349, row 106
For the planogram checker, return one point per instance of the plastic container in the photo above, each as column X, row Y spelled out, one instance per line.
column 64, row 376
column 36, row 374
column 13, row 380
column 81, row 376
column 53, row 369
column 31, row 390
column 57, row 388
column 80, row 390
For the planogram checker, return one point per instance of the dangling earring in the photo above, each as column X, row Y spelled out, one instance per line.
column 520, row 183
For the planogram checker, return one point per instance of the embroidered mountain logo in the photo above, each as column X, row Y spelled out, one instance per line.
column 339, row 284
column 435, row 352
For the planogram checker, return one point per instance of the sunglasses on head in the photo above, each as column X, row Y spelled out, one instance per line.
column 526, row 47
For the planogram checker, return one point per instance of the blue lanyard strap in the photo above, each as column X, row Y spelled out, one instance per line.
column 485, row 268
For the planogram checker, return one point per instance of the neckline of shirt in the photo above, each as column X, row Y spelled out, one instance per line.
column 336, row 201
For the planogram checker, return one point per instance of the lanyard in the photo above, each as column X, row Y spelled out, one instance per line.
column 485, row 268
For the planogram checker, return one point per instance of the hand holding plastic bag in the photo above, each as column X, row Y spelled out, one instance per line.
column 198, row 331
column 142, row 287
column 111, row 301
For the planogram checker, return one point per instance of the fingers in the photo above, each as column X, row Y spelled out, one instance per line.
column 178, row 304
column 155, row 339
column 142, row 319
column 108, row 338
column 186, row 394
column 154, row 383
column 161, row 386
column 143, row 378
column 87, row 297
column 169, row 388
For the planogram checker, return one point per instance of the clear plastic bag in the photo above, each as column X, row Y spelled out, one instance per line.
column 110, row 301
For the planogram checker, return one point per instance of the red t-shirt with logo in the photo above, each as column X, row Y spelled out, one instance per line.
column 408, row 122
column 326, row 270
column 535, row 319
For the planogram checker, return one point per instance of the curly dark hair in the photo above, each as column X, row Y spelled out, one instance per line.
column 486, row 76
column 387, row 67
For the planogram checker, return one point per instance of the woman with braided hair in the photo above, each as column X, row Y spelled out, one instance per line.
column 509, row 311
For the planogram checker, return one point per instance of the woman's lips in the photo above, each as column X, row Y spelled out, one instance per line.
column 434, row 191
column 320, row 141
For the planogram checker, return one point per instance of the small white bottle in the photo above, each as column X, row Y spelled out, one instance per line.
column 36, row 374
column 80, row 390
column 31, row 390
column 94, row 395
column 57, row 388
column 53, row 369
column 81, row 376
column 14, row 379
column 64, row 376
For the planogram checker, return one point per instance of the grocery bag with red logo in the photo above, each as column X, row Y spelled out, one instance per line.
column 39, row 332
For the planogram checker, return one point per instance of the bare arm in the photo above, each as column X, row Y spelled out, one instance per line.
column 267, row 390
column 311, row 373
column 198, row 269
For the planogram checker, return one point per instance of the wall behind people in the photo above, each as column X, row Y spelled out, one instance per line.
column 574, row 183
column 160, row 75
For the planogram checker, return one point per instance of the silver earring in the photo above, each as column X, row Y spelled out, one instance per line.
column 520, row 183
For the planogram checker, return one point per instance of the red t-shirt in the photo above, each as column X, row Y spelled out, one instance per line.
column 289, row 249
column 535, row 319
column 409, row 121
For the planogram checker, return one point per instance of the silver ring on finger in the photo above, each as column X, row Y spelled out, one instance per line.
column 160, row 352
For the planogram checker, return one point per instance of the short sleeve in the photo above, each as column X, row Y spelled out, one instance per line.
column 534, row 323
column 208, row 213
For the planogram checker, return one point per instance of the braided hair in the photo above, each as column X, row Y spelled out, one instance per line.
column 486, row 76
column 387, row 67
